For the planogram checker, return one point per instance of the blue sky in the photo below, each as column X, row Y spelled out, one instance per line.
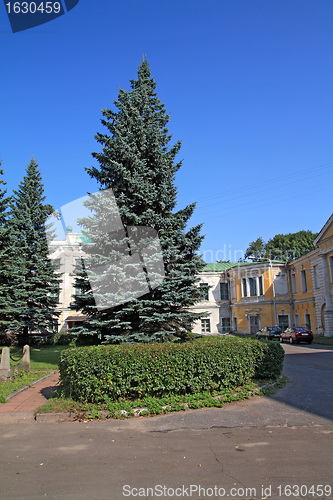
column 248, row 85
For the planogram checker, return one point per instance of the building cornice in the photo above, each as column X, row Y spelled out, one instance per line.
column 323, row 231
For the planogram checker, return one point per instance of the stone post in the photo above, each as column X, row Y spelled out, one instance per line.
column 26, row 358
column 5, row 363
column 5, row 359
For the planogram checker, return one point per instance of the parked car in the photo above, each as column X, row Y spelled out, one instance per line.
column 296, row 334
column 269, row 332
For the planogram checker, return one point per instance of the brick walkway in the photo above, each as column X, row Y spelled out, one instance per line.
column 33, row 397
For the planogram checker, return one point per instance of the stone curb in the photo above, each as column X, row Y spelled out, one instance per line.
column 74, row 417
column 55, row 417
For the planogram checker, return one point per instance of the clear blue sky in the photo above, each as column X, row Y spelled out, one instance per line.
column 248, row 84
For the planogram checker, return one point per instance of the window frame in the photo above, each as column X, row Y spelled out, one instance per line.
column 330, row 264
column 205, row 325
column 244, row 287
column 316, row 283
column 205, row 286
column 253, row 286
column 307, row 316
column 225, row 327
column 56, row 263
column 225, row 286
column 304, row 281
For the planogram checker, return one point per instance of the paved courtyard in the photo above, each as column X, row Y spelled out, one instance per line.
column 256, row 448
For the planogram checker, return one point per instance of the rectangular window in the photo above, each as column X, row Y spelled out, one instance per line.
column 261, row 286
column 331, row 266
column 253, row 287
column 244, row 287
column 205, row 326
column 254, row 323
column 315, row 277
column 304, row 281
column 293, row 283
column 225, row 325
column 283, row 320
column 296, row 320
column 307, row 318
column 56, row 264
column 204, row 288
column 232, row 288
column 224, row 290
column 235, row 324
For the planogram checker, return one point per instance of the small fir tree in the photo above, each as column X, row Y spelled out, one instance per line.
column 138, row 164
column 35, row 285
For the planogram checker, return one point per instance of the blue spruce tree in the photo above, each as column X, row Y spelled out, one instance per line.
column 34, row 283
column 138, row 163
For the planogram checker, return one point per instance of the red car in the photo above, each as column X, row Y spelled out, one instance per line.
column 296, row 334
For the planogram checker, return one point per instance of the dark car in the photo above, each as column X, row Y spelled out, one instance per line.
column 269, row 332
column 296, row 334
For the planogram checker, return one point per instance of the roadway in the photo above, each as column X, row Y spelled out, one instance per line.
column 266, row 447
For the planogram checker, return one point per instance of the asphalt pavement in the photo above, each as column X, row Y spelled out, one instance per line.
column 264, row 447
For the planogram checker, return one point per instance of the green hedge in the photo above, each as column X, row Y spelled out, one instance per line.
column 104, row 373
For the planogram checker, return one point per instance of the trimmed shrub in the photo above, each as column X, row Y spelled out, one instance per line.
column 104, row 373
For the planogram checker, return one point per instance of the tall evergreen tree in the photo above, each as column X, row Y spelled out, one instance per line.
column 34, row 282
column 256, row 249
column 138, row 164
column 5, row 259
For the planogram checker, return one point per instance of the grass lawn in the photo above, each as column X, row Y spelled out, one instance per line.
column 20, row 381
column 45, row 357
column 149, row 406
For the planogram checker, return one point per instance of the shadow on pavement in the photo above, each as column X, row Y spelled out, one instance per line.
column 310, row 385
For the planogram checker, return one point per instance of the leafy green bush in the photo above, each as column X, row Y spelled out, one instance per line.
column 107, row 373
column 67, row 338
column 63, row 338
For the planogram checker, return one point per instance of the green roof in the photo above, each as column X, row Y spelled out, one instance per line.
column 218, row 266
column 224, row 266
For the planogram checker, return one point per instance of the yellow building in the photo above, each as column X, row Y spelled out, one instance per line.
column 242, row 297
column 312, row 284
column 259, row 296
column 271, row 293
column 303, row 311
column 323, row 278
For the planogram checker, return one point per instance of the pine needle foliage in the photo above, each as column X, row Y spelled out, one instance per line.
column 5, row 258
column 34, row 283
column 138, row 163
